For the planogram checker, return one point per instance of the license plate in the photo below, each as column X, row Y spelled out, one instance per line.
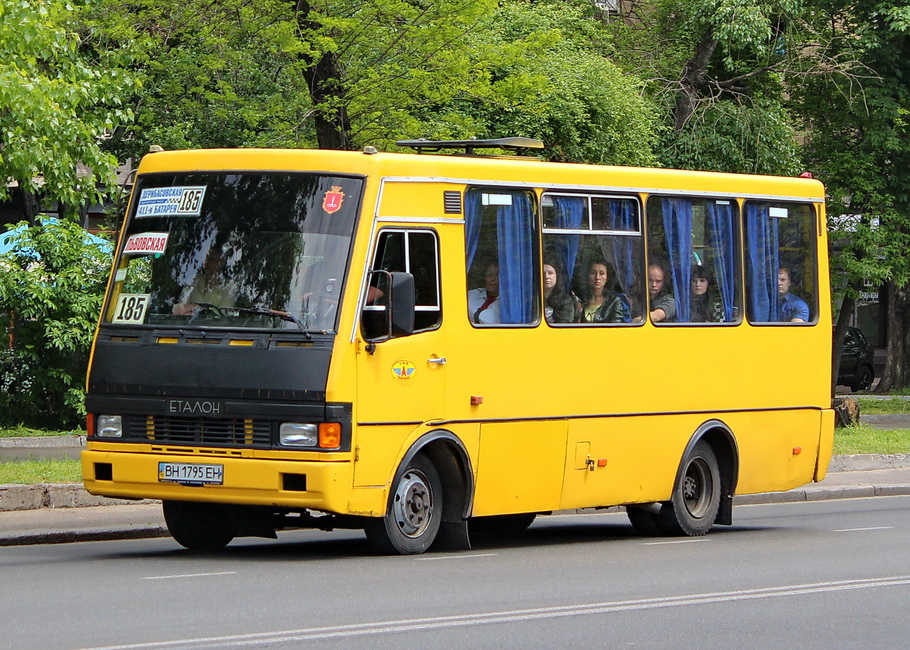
column 193, row 473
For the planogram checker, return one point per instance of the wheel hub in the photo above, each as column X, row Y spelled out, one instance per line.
column 697, row 487
column 413, row 504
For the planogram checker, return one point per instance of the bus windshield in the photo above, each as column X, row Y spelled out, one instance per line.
column 238, row 250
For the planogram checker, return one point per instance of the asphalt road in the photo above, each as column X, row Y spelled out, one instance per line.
column 826, row 574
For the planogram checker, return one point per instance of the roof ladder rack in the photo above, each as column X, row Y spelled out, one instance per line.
column 517, row 145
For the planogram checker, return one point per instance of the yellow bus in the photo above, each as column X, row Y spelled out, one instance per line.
column 422, row 345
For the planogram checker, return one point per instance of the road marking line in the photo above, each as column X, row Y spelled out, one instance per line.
column 853, row 530
column 514, row 616
column 190, row 575
column 455, row 557
column 677, row 541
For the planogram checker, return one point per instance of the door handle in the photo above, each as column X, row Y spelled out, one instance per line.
column 439, row 361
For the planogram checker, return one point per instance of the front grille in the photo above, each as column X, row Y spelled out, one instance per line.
column 199, row 431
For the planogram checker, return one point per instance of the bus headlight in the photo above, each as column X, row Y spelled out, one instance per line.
column 109, row 426
column 296, row 434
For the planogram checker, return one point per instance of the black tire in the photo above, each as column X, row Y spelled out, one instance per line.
column 500, row 525
column 199, row 526
column 645, row 522
column 414, row 512
column 863, row 379
column 693, row 506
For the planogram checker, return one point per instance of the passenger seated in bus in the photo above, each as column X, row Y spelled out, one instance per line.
column 559, row 307
column 703, row 308
column 483, row 303
column 600, row 305
column 209, row 287
column 792, row 309
column 662, row 302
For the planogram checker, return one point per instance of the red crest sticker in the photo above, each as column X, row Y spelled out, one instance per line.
column 333, row 198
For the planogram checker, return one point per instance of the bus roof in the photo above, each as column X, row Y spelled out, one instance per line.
column 472, row 170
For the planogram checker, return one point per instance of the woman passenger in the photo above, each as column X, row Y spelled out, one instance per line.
column 600, row 305
column 559, row 307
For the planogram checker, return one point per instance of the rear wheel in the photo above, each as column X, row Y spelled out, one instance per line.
column 696, row 495
column 199, row 526
column 412, row 519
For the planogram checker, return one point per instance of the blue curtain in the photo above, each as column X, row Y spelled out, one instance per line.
column 622, row 217
column 516, row 259
column 677, row 215
column 473, row 219
column 763, row 263
column 723, row 245
column 570, row 213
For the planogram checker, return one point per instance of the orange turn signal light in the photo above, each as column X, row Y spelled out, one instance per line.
column 329, row 435
column 797, row 451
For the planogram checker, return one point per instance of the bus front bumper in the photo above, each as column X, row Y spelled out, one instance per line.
column 293, row 484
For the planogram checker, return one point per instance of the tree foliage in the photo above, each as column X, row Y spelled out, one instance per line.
column 58, row 97
column 51, row 286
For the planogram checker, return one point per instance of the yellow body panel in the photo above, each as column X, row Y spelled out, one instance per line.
column 623, row 400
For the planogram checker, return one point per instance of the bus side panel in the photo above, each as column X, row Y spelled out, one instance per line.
column 825, row 444
column 778, row 450
column 623, row 460
column 520, row 467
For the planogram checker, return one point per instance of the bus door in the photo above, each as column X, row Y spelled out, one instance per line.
column 401, row 380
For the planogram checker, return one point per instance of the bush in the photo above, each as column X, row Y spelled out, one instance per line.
column 51, row 287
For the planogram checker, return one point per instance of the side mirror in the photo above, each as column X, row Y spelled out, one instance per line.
column 402, row 303
column 390, row 306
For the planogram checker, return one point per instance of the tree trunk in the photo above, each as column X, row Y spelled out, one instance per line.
column 327, row 92
column 897, row 364
column 31, row 206
column 692, row 80
column 840, row 330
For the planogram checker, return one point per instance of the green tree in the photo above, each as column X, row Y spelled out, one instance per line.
column 58, row 98
column 550, row 78
column 859, row 144
column 51, row 287
column 720, row 70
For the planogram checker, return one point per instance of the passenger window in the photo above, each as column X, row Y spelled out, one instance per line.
column 593, row 254
column 692, row 260
column 410, row 251
column 501, row 260
column 781, row 283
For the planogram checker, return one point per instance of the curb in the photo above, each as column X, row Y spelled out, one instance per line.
column 42, row 442
column 53, row 495
column 823, row 494
column 97, row 535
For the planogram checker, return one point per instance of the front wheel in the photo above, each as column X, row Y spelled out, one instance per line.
column 199, row 526
column 414, row 513
column 696, row 496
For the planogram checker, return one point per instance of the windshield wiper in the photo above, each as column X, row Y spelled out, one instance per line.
column 275, row 313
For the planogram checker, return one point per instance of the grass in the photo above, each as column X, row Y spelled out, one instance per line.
column 43, row 470
column 869, row 406
column 864, row 439
column 21, row 431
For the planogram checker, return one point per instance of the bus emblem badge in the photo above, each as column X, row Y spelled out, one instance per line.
column 403, row 370
column 331, row 203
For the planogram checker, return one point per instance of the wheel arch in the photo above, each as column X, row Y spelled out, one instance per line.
column 453, row 463
column 723, row 443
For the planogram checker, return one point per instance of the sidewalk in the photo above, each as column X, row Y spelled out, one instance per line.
column 65, row 516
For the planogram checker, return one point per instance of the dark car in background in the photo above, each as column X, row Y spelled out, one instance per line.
column 857, row 361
